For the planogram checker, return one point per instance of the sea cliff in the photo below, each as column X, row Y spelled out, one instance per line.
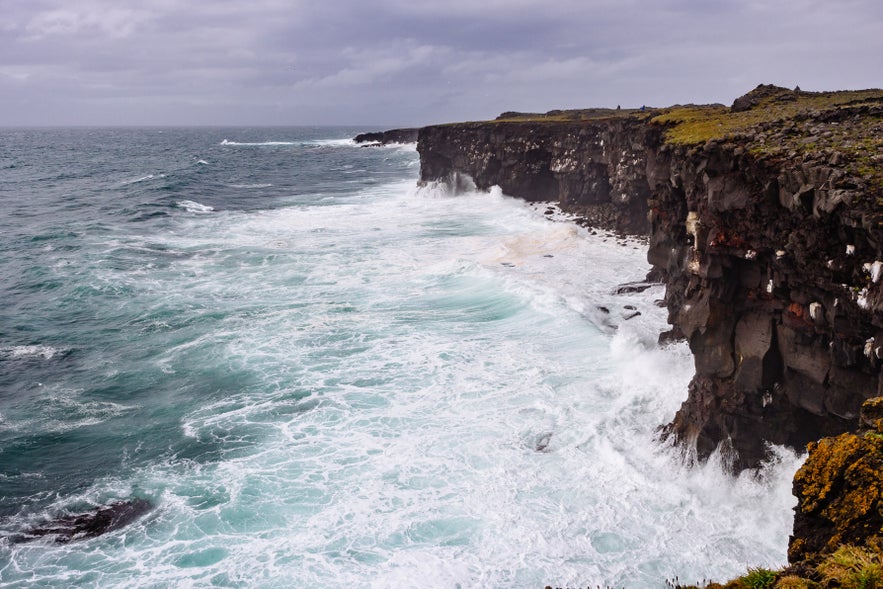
column 765, row 223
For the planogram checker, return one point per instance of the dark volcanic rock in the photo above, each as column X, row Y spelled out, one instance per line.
column 761, row 93
column 90, row 524
column 770, row 242
column 387, row 137
column 630, row 287
column 595, row 168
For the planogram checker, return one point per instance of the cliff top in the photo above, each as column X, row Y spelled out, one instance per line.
column 572, row 115
column 845, row 127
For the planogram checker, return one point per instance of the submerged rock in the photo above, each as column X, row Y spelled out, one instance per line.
column 90, row 524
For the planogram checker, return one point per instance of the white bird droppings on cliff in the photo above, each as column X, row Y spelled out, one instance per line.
column 875, row 269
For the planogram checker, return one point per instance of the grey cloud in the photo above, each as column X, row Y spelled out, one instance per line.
column 406, row 62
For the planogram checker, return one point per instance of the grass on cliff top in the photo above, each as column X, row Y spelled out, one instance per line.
column 691, row 125
column 569, row 116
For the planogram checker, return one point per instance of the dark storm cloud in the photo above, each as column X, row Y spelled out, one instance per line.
column 408, row 62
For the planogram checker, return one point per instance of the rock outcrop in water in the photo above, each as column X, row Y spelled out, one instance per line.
column 765, row 222
column 90, row 524
column 388, row 137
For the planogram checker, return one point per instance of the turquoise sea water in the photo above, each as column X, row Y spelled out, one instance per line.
column 321, row 376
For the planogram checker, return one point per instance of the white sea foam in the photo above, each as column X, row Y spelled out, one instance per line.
column 438, row 403
column 36, row 351
column 335, row 142
column 191, row 206
column 250, row 186
column 138, row 179
column 60, row 410
column 258, row 143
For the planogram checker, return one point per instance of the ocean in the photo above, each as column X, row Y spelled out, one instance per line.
column 321, row 375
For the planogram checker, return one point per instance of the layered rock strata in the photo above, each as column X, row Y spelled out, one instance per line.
column 763, row 222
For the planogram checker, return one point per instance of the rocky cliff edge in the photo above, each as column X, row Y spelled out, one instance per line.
column 765, row 222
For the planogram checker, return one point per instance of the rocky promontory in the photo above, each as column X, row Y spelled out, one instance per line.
column 387, row 137
column 765, row 222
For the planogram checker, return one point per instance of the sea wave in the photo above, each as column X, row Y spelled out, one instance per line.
column 334, row 142
column 35, row 351
column 145, row 178
column 246, row 186
column 191, row 206
column 257, row 143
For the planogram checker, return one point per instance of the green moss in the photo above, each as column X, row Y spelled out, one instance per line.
column 690, row 125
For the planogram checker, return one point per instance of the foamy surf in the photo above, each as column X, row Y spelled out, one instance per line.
column 250, row 186
column 34, row 351
column 258, row 143
column 345, row 381
column 140, row 179
column 192, row 206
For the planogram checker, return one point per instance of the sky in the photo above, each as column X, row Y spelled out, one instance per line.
column 392, row 63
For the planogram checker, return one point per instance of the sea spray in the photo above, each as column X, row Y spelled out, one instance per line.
column 330, row 383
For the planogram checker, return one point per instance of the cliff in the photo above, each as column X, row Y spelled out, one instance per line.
column 387, row 137
column 765, row 223
column 591, row 164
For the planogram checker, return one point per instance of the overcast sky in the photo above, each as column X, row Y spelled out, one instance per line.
column 412, row 62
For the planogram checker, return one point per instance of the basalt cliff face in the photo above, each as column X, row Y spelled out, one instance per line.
column 765, row 225
column 596, row 167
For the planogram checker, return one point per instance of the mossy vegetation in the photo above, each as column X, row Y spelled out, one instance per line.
column 689, row 125
column 840, row 483
column 841, row 129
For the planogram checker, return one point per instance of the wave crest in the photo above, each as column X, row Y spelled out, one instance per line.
column 257, row 143
column 191, row 206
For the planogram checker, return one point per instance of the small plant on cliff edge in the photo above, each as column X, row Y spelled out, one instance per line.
column 851, row 567
column 758, row 578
